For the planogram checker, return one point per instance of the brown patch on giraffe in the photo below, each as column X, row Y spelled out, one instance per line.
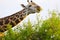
column 21, row 18
column 6, row 21
column 12, row 23
column 3, row 28
column 17, row 21
column 1, row 22
column 17, row 16
column 11, row 18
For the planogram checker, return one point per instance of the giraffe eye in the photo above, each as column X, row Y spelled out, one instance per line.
column 30, row 5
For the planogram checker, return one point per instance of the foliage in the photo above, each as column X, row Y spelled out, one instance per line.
column 48, row 30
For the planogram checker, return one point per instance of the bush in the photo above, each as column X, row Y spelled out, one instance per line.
column 48, row 30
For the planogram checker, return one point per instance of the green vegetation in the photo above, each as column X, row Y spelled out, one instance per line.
column 49, row 29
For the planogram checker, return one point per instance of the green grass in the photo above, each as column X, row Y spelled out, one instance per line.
column 48, row 30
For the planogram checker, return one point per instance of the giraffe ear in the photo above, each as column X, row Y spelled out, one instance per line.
column 23, row 5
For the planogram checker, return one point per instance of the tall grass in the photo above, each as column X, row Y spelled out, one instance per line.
column 48, row 30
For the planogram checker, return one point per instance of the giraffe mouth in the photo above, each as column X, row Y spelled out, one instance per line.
column 38, row 9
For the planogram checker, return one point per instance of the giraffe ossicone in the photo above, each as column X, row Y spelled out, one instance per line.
column 16, row 18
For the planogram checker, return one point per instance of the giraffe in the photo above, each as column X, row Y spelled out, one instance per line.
column 17, row 17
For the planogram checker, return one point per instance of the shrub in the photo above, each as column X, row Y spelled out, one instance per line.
column 48, row 30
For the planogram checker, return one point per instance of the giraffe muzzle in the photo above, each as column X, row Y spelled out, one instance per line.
column 38, row 9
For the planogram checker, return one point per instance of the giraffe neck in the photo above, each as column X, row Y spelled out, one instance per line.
column 12, row 20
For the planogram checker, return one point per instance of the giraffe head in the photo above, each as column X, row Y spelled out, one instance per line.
column 31, row 7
